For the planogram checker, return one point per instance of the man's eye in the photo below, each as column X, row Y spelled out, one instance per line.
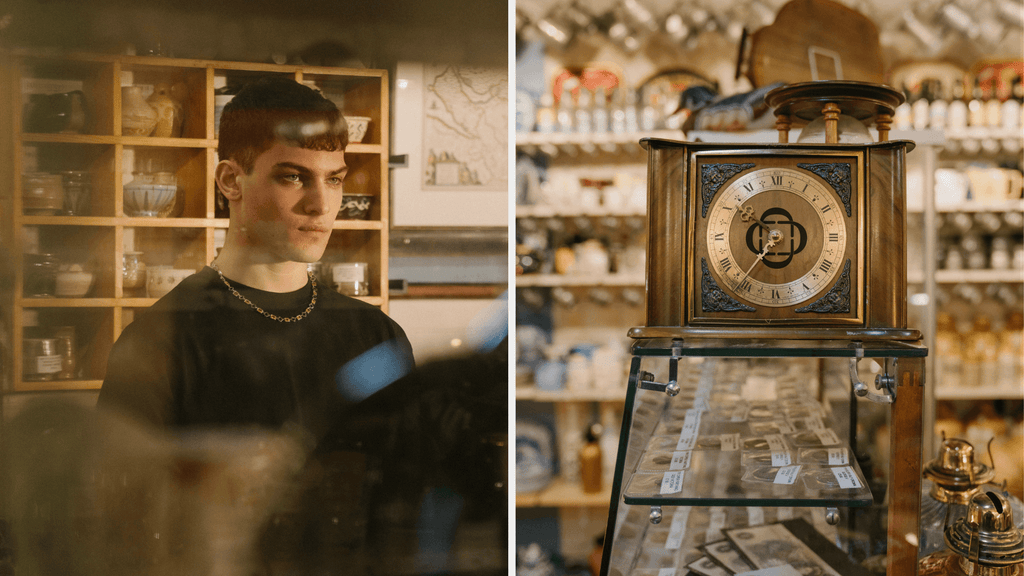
column 335, row 181
column 291, row 178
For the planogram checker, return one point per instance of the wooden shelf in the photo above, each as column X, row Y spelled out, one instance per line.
column 55, row 385
column 980, row 393
column 1007, row 206
column 545, row 211
column 560, row 493
column 531, row 393
column 551, row 280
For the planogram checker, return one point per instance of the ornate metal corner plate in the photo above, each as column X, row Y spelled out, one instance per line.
column 836, row 300
column 713, row 299
column 838, row 177
column 712, row 176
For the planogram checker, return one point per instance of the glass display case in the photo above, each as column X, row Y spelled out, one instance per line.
column 719, row 436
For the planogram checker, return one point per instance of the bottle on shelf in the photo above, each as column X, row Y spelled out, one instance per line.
column 566, row 110
column 583, row 113
column 600, row 112
column 981, row 346
column 547, row 118
column 948, row 355
column 1011, row 352
column 650, row 114
column 590, row 460
column 632, row 112
column 957, row 113
column 618, row 113
column 976, row 107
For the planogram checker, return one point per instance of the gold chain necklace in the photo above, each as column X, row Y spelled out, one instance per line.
column 238, row 295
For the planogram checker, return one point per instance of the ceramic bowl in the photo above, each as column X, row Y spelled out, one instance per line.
column 74, row 282
column 149, row 199
column 355, row 206
column 161, row 279
column 357, row 126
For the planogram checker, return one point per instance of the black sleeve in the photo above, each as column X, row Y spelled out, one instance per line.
column 140, row 372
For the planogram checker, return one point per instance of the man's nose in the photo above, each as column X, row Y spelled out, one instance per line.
column 318, row 199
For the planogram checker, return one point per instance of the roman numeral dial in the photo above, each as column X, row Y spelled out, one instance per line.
column 776, row 237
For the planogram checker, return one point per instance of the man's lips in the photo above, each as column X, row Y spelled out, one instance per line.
column 315, row 228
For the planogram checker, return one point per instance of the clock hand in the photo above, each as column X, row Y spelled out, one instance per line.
column 760, row 257
column 747, row 214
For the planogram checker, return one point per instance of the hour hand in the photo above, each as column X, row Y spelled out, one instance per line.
column 747, row 215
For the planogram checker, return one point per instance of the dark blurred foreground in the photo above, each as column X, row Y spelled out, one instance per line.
column 411, row 481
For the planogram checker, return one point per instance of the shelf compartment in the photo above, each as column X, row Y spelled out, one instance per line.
column 186, row 85
column 354, row 96
column 44, row 75
column 96, row 160
column 189, row 169
column 357, row 246
column 93, row 336
column 90, row 247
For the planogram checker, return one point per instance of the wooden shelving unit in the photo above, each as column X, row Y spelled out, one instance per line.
column 98, row 236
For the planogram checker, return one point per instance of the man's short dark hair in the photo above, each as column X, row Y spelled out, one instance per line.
column 277, row 108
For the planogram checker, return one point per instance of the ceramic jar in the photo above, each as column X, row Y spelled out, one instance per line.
column 138, row 118
column 42, row 194
column 168, row 112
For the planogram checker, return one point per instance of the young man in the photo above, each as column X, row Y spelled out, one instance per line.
column 252, row 339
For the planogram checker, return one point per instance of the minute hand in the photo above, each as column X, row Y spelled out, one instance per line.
column 760, row 257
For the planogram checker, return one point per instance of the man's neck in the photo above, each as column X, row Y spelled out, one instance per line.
column 268, row 276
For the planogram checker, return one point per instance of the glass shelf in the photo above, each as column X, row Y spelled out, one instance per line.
column 772, row 348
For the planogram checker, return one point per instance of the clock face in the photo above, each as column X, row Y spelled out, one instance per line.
column 776, row 239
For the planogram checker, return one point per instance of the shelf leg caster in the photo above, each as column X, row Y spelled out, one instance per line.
column 832, row 516
column 656, row 515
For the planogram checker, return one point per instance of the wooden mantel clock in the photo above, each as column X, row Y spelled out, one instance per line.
column 795, row 240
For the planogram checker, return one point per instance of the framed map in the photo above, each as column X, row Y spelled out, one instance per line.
column 452, row 123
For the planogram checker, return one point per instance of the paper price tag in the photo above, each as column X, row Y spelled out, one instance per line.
column 827, row 437
column 672, row 482
column 781, row 458
column 776, row 443
column 846, row 477
column 759, row 388
column 755, row 515
column 730, row 442
column 667, row 572
column 715, row 524
column 686, row 443
column 784, row 570
column 814, row 423
column 701, row 403
column 838, row 457
column 787, row 474
column 677, row 530
column 739, row 414
column 784, row 427
column 680, row 460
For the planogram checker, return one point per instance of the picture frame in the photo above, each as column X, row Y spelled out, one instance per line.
column 465, row 182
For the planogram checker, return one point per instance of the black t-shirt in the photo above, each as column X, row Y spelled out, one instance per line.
column 202, row 357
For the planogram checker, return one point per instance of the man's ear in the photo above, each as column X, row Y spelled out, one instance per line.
column 228, row 175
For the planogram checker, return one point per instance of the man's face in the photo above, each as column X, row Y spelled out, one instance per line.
column 289, row 202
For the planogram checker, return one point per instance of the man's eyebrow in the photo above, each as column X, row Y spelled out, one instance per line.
column 303, row 169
